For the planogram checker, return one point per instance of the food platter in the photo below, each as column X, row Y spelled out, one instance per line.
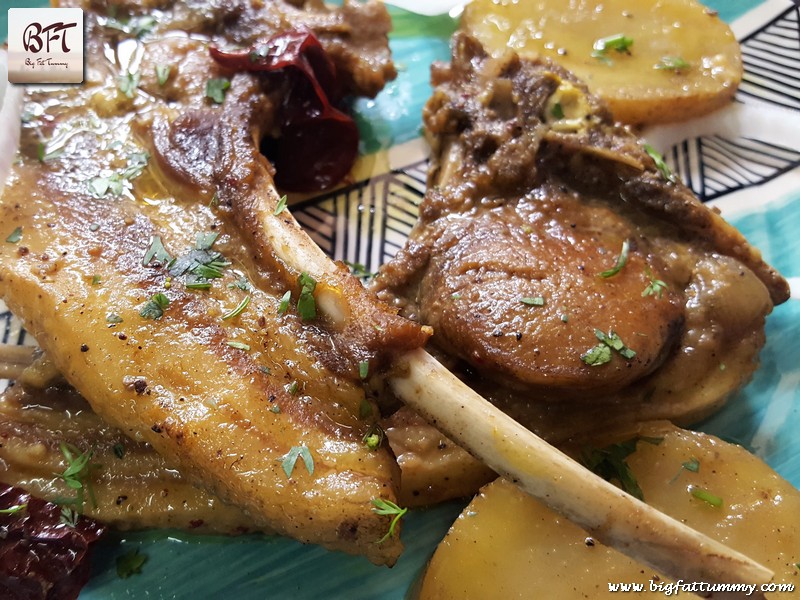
column 750, row 172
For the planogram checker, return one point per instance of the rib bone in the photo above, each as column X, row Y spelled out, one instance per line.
column 607, row 513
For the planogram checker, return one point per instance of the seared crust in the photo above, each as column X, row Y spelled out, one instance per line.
column 225, row 396
column 533, row 193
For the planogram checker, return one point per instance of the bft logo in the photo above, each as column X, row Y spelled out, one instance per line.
column 32, row 37
column 45, row 45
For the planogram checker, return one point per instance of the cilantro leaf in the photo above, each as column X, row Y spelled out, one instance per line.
column 306, row 305
column 610, row 464
column 290, row 459
column 216, row 89
column 661, row 165
column 156, row 251
column 281, row 206
column 130, row 563
column 155, row 306
column 15, row 236
column 128, row 83
column 162, row 74
column 622, row 260
column 671, row 63
column 388, row 508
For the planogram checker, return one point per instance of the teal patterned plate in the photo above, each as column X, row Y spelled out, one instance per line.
column 744, row 160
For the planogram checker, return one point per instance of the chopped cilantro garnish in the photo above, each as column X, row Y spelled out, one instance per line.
column 238, row 310
column 622, row 259
column 155, row 306
column 162, row 74
column 113, row 319
column 130, row 563
column 239, row 346
column 137, row 162
column 44, row 155
column 363, row 369
column 156, row 251
column 198, row 285
column 100, row 186
column 661, row 165
column 216, row 89
column 135, row 26
column 128, row 83
column 388, row 508
column 204, row 241
column 76, row 475
column 557, row 112
column 119, row 451
column 115, row 183
column 671, row 63
column 533, row 301
column 610, row 464
column 15, row 236
column 601, row 354
column 68, row 517
column 201, row 264
column 283, row 306
column 359, row 270
column 12, row 510
column 692, row 465
column 656, row 287
column 290, row 459
column 706, row 496
column 291, row 388
column 242, row 283
column 210, row 270
column 281, row 206
column 306, row 305
column 619, row 42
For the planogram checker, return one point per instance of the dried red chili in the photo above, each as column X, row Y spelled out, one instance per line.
column 41, row 555
column 318, row 143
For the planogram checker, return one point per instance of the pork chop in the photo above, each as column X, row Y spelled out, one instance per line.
column 567, row 274
column 137, row 257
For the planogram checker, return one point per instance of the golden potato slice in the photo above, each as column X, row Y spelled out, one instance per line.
column 507, row 545
column 652, row 61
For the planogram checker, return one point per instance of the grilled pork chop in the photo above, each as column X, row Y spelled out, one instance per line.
column 139, row 261
column 564, row 270
column 133, row 487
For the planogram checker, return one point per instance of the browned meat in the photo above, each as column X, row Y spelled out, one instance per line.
column 132, row 486
column 154, row 274
column 354, row 34
column 572, row 278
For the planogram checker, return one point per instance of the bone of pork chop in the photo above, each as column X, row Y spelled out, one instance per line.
column 178, row 383
column 262, row 408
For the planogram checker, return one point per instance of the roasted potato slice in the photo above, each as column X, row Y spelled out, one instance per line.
column 651, row 61
column 507, row 545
